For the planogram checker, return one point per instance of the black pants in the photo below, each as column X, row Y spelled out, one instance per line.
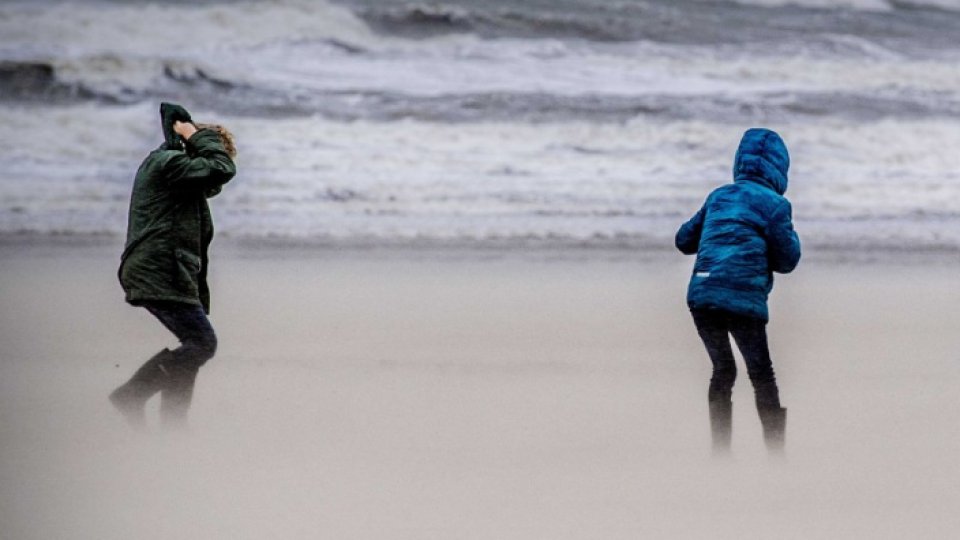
column 172, row 373
column 198, row 342
column 179, row 367
column 715, row 328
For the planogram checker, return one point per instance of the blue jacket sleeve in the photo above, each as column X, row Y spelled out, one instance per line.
column 783, row 244
column 688, row 237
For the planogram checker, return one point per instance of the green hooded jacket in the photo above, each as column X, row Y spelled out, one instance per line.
column 169, row 226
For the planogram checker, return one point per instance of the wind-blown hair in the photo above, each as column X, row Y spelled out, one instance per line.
column 225, row 136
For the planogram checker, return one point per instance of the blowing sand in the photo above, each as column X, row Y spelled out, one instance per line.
column 476, row 395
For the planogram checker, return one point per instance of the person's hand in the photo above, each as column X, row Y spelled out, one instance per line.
column 169, row 114
column 184, row 129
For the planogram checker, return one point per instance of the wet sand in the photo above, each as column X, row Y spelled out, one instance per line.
column 412, row 394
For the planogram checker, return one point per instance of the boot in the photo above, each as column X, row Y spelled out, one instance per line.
column 774, row 421
column 131, row 397
column 721, row 426
column 176, row 396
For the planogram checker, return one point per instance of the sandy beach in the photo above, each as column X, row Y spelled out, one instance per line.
column 486, row 394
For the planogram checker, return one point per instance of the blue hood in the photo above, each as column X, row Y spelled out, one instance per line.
column 762, row 158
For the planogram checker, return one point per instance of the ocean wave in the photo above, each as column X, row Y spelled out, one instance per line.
column 105, row 79
column 889, row 183
column 31, row 80
column 574, row 121
column 662, row 21
column 858, row 5
column 38, row 83
column 132, row 29
column 521, row 81
column 425, row 20
column 294, row 57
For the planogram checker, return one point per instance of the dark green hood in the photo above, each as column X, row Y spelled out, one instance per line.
column 169, row 114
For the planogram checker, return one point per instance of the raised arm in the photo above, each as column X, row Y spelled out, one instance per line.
column 783, row 244
column 205, row 166
column 688, row 236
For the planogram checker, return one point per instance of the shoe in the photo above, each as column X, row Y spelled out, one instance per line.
column 175, row 397
column 130, row 401
column 721, row 426
column 774, row 421
column 130, row 398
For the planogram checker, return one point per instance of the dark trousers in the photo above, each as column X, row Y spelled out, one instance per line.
column 715, row 328
column 170, row 372
column 198, row 342
column 176, row 370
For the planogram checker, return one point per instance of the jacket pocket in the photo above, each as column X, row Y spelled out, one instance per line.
column 188, row 261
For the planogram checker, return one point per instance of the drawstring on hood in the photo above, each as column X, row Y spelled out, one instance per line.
column 762, row 158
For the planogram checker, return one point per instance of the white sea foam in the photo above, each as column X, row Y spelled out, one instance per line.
column 299, row 50
column 863, row 5
column 112, row 47
column 877, row 184
column 866, row 5
column 468, row 65
column 84, row 28
column 466, row 138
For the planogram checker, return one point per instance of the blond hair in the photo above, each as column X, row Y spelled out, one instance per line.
column 228, row 143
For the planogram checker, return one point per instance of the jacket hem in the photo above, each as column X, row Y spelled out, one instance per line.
column 137, row 299
column 765, row 317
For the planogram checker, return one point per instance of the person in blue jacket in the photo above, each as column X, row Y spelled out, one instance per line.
column 741, row 236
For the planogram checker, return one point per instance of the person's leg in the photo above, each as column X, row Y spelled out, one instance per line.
column 171, row 372
column 751, row 337
column 198, row 343
column 712, row 328
column 131, row 397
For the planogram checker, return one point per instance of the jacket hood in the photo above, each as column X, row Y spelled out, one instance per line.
column 762, row 158
column 169, row 114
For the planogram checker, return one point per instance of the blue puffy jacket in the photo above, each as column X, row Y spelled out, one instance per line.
column 744, row 232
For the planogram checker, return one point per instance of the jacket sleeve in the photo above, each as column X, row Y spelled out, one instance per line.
column 783, row 244
column 204, row 167
column 688, row 237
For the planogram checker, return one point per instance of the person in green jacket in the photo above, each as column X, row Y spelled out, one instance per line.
column 164, row 263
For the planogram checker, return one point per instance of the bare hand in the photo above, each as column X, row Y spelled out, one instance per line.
column 184, row 129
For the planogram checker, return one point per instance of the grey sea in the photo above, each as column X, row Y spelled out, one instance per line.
column 472, row 122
